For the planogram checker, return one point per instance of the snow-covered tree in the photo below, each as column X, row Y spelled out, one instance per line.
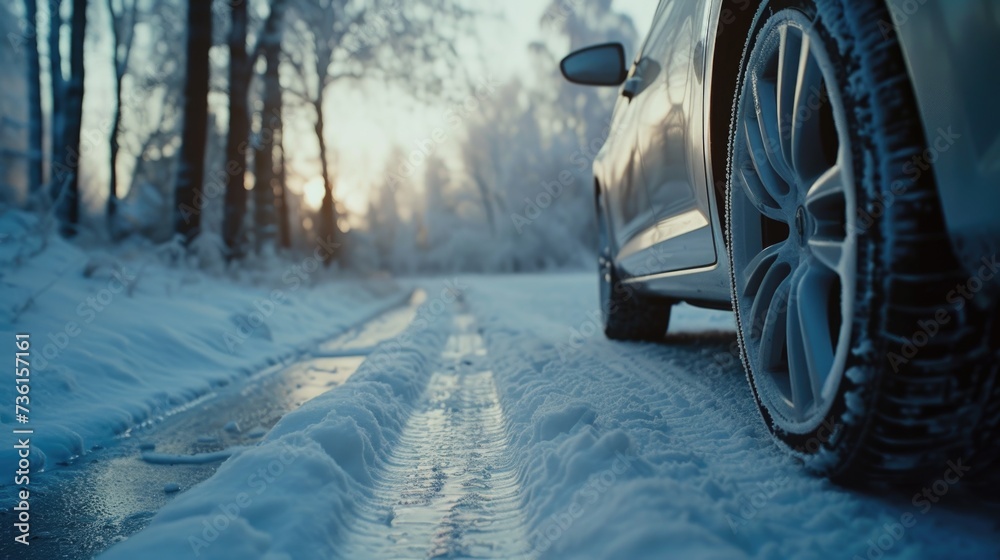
column 271, row 220
column 124, row 17
column 375, row 39
column 521, row 197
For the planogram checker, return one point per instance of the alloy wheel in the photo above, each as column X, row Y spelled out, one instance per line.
column 792, row 229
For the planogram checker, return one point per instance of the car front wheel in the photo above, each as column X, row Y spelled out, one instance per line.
column 840, row 258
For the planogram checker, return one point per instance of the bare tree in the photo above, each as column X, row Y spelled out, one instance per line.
column 321, row 14
column 56, row 94
column 123, row 20
column 66, row 169
column 281, row 205
column 188, row 194
column 239, row 130
column 269, row 197
column 264, row 144
column 377, row 39
column 152, row 119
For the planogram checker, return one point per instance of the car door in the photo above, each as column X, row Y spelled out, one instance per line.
column 626, row 198
column 670, row 128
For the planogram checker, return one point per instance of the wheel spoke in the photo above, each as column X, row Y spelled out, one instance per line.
column 768, row 181
column 789, row 53
column 759, row 267
column 807, row 156
column 825, row 198
column 758, row 195
column 766, row 97
column 773, row 329
column 814, row 293
column 829, row 252
column 798, row 366
column 771, row 273
column 826, row 203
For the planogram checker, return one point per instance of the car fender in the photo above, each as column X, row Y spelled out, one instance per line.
column 950, row 48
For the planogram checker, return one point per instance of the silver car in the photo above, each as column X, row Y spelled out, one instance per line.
column 830, row 171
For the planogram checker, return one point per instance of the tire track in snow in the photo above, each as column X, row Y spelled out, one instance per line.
column 707, row 479
column 450, row 489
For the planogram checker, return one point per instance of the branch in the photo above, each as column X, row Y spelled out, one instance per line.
column 331, row 79
column 301, row 96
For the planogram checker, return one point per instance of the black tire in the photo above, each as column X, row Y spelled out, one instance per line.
column 920, row 392
column 629, row 315
column 626, row 313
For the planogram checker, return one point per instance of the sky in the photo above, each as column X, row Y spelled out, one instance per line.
column 379, row 117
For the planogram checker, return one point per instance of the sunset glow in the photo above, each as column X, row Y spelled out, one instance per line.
column 312, row 193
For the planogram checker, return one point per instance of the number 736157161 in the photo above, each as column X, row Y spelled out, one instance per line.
column 22, row 372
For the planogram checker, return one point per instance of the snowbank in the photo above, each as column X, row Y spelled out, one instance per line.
column 295, row 494
column 119, row 339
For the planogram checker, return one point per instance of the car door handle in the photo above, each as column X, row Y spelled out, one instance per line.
column 631, row 88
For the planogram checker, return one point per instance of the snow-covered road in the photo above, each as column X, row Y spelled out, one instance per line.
column 501, row 424
column 450, row 488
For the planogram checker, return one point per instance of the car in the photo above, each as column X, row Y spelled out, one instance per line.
column 829, row 170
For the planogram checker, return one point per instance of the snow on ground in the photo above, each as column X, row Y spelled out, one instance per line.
column 119, row 339
column 653, row 450
column 616, row 450
column 295, row 494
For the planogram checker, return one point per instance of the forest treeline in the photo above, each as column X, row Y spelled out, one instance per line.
column 516, row 196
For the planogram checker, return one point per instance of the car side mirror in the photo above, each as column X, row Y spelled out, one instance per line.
column 598, row 65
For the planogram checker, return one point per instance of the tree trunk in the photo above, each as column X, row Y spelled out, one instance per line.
column 284, row 221
column 265, row 179
column 281, row 206
column 68, row 201
column 122, row 31
column 35, row 150
column 263, row 195
column 112, row 206
column 327, row 227
column 266, row 185
column 487, row 199
column 239, row 131
column 188, row 194
column 56, row 166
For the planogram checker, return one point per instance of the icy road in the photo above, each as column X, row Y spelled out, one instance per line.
column 495, row 421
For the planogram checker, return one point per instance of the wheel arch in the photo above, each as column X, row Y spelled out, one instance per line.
column 732, row 26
